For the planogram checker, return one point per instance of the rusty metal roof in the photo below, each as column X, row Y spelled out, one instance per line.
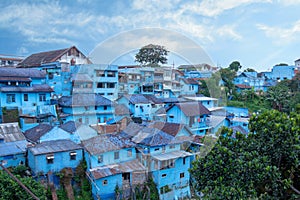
column 109, row 170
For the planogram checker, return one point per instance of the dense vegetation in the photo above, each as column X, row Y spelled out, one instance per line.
column 264, row 165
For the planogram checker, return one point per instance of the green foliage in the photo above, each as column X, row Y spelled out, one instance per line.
column 61, row 194
column 149, row 189
column 19, row 170
column 281, row 64
column 152, row 55
column 264, row 165
column 10, row 189
column 10, row 115
column 279, row 96
column 249, row 70
column 235, row 66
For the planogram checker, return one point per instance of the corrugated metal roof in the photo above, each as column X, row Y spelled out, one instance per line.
column 17, row 72
column 171, row 155
column 192, row 108
column 33, row 88
column 121, row 109
column 54, row 146
column 12, row 148
column 15, row 78
column 11, row 132
column 106, row 143
column 37, row 59
column 35, row 133
column 87, row 99
column 125, row 167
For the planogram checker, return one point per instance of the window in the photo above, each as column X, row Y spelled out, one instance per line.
column 87, row 121
column 110, row 94
column 181, row 175
column 129, row 153
column 100, row 85
column 42, row 97
column 171, row 116
column 73, row 155
column 100, row 73
column 163, row 175
column 50, row 159
column 172, row 146
column 10, row 98
column 111, row 74
column 126, row 176
column 100, row 159
column 104, row 107
column 183, row 160
column 25, row 97
column 110, row 85
column 156, row 149
column 116, row 155
column 104, row 182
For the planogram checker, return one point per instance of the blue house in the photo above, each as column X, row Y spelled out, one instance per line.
column 53, row 156
column 161, row 154
column 56, row 64
column 86, row 108
column 129, row 80
column 46, row 132
column 25, row 90
column 282, row 72
column 12, row 145
column 78, row 131
column 249, row 79
column 139, row 105
column 192, row 114
column 189, row 86
column 147, row 80
column 111, row 161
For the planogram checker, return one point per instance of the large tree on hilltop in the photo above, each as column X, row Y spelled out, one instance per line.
column 152, row 55
column 235, row 65
column 264, row 165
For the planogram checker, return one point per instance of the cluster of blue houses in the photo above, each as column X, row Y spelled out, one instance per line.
column 126, row 122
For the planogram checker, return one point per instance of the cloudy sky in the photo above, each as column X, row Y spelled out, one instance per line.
column 258, row 33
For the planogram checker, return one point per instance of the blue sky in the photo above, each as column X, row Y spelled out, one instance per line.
column 259, row 34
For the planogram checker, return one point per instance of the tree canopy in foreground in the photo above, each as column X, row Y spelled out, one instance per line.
column 263, row 165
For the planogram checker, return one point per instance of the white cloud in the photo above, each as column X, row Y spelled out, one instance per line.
column 212, row 8
column 289, row 2
column 229, row 30
column 282, row 35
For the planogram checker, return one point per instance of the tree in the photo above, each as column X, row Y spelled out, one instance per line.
column 152, row 55
column 264, row 165
column 235, row 66
column 279, row 96
column 249, row 70
column 10, row 189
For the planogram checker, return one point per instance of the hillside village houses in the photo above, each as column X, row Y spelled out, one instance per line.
column 128, row 123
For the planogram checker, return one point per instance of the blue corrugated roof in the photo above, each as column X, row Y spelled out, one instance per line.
column 54, row 146
column 12, row 148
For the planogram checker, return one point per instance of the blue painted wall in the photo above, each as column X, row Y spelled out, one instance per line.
column 39, row 164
